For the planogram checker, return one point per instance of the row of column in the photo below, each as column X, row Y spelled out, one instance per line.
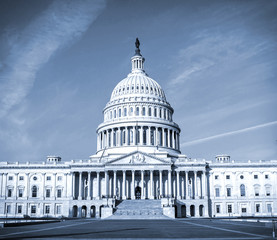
column 41, row 188
column 185, row 184
column 138, row 135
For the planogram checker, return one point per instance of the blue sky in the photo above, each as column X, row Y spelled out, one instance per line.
column 60, row 60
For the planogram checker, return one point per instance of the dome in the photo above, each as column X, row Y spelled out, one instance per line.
column 137, row 117
column 138, row 84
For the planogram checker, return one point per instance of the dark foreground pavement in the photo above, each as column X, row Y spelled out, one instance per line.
column 159, row 229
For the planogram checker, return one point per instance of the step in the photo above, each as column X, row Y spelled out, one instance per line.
column 139, row 209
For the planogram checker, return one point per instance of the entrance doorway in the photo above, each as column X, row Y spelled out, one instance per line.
column 138, row 192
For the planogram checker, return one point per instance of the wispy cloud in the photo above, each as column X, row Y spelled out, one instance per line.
column 228, row 134
column 211, row 50
column 61, row 24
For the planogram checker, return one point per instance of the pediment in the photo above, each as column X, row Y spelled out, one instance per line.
column 138, row 158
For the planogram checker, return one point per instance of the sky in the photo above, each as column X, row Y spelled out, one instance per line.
column 215, row 60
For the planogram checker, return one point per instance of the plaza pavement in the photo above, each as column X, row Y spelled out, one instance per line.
column 141, row 229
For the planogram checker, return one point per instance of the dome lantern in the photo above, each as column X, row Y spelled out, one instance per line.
column 137, row 59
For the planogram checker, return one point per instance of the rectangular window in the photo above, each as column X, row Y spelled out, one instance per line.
column 59, row 193
column 255, row 176
column 21, row 178
column 59, row 209
column 20, row 192
column 8, row 209
column 243, row 210
column 266, row 176
column 48, row 178
column 9, row 192
column 48, row 192
column 269, row 207
column 60, row 178
column 227, row 176
column 217, row 207
column 33, row 209
column 258, row 208
column 267, row 191
column 47, row 209
column 217, row 193
column 228, row 192
column 10, row 178
column 229, row 208
column 216, row 177
column 19, row 209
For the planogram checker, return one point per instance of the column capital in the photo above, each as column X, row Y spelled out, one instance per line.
column 25, row 173
column 16, row 174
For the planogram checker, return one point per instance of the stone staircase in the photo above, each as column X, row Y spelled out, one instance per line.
column 139, row 209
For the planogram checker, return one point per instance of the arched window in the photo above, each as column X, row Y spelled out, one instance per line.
column 137, row 111
column 111, row 115
column 242, row 190
column 164, row 114
column 160, row 113
column 125, row 112
column 149, row 112
column 119, row 112
column 114, row 113
column 34, row 191
column 143, row 111
column 155, row 112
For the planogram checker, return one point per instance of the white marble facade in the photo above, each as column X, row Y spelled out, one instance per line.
column 138, row 157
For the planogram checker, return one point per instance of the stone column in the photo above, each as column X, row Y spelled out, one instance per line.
column 195, row 185
column 204, row 185
column 73, row 185
column 80, row 186
column 149, row 136
column 124, row 185
column 168, row 137
column 1, row 184
column 55, row 181
column 65, row 188
column 112, row 133
column 27, row 188
column 164, row 141
column 107, row 183
column 134, row 136
column 98, row 185
column 114, row 183
column 178, row 185
column 169, row 184
column 187, row 184
column 43, row 186
column 172, row 139
column 16, row 184
column 133, row 185
column 151, row 185
column 157, row 137
column 161, row 183
column 126, row 136
column 142, row 184
column 89, row 186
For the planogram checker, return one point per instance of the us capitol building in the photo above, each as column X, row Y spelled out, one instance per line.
column 138, row 170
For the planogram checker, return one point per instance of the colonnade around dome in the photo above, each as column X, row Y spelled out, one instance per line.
column 138, row 136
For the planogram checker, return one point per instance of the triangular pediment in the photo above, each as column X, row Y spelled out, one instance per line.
column 138, row 158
